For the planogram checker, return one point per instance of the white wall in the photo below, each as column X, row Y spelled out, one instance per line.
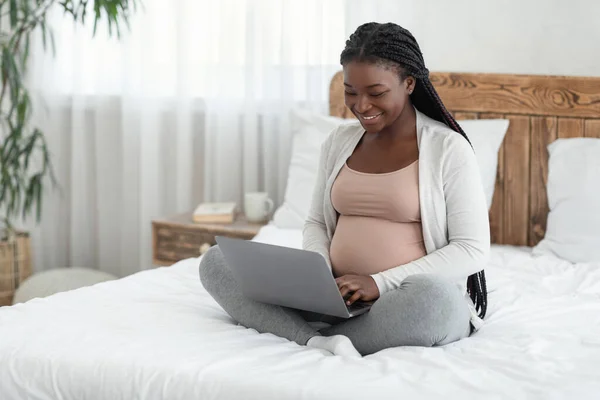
column 556, row 37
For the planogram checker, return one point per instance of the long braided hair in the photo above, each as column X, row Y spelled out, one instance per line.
column 394, row 47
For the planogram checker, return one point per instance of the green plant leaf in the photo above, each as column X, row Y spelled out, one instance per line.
column 10, row 74
column 44, row 34
column 13, row 11
column 25, row 52
column 23, row 107
column 52, row 42
column 27, row 151
column 38, row 201
column 28, row 200
column 26, row 9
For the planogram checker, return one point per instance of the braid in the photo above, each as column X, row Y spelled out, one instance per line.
column 394, row 47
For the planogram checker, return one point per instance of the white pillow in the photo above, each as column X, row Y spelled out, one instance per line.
column 573, row 231
column 486, row 135
column 309, row 131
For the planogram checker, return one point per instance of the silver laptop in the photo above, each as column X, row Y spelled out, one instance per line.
column 287, row 277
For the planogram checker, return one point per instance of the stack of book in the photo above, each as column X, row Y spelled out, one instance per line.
column 222, row 213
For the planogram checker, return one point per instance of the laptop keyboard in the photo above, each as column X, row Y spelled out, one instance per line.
column 358, row 306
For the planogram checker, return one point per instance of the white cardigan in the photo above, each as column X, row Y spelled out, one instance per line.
column 454, row 213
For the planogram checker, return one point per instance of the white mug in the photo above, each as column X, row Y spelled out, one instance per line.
column 257, row 206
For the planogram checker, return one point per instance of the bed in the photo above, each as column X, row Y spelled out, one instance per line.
column 158, row 335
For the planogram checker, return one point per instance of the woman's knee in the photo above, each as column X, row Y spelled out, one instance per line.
column 429, row 288
column 211, row 266
column 433, row 310
column 418, row 297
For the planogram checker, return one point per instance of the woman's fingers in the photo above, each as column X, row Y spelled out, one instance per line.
column 347, row 284
column 357, row 288
column 344, row 290
column 352, row 286
column 356, row 296
column 349, row 287
column 345, row 279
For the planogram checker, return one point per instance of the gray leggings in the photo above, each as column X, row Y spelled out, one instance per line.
column 426, row 310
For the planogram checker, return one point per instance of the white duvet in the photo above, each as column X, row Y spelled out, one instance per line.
column 159, row 335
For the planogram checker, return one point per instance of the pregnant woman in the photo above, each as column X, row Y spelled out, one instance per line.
column 398, row 212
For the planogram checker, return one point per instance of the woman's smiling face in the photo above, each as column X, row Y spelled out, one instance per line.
column 375, row 94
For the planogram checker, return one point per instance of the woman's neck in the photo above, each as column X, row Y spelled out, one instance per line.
column 404, row 128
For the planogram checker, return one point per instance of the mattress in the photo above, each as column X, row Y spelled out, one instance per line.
column 158, row 335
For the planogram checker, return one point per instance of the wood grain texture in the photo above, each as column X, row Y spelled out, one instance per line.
column 337, row 105
column 516, row 184
column 570, row 128
column 464, row 115
column 497, row 209
column 177, row 237
column 592, row 128
column 543, row 132
column 519, row 94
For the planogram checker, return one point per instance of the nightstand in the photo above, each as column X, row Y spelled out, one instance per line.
column 178, row 237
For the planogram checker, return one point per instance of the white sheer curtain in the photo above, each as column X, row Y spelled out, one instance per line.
column 191, row 105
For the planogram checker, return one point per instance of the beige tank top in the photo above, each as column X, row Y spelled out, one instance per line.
column 380, row 221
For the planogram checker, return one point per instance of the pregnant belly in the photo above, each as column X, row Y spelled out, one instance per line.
column 366, row 245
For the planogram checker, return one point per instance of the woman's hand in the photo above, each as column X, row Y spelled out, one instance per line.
column 363, row 287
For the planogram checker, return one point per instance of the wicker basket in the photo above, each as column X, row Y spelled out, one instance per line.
column 15, row 266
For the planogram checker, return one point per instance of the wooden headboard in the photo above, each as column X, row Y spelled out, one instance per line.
column 540, row 109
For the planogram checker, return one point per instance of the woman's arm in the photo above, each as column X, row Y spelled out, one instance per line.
column 468, row 224
column 314, row 234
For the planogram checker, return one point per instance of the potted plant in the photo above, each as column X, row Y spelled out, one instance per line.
column 25, row 163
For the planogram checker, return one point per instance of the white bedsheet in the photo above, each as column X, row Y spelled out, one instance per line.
column 159, row 335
